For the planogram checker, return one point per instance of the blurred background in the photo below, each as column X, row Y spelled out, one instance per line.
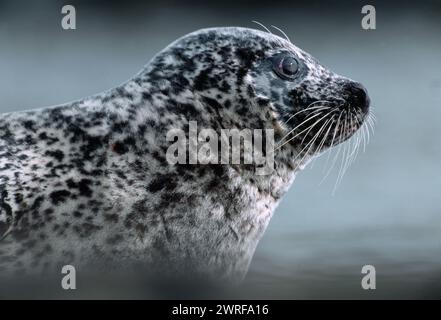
column 386, row 211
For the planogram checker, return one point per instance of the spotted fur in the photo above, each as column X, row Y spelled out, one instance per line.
column 88, row 184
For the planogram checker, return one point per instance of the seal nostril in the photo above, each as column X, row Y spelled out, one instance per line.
column 357, row 95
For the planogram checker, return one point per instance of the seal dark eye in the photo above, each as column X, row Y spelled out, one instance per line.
column 285, row 66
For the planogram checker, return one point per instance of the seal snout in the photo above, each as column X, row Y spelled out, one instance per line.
column 357, row 96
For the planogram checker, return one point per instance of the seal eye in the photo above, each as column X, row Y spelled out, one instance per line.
column 285, row 66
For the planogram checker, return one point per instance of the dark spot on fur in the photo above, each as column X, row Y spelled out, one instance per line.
column 59, row 196
column 111, row 217
column 162, row 181
column 57, row 154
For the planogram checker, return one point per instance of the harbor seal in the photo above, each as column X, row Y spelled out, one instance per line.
column 88, row 183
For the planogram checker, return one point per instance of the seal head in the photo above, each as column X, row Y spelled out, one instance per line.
column 246, row 72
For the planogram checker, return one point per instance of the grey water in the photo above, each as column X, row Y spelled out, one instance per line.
column 385, row 212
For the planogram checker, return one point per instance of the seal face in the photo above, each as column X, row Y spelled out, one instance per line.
column 243, row 67
column 88, row 183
